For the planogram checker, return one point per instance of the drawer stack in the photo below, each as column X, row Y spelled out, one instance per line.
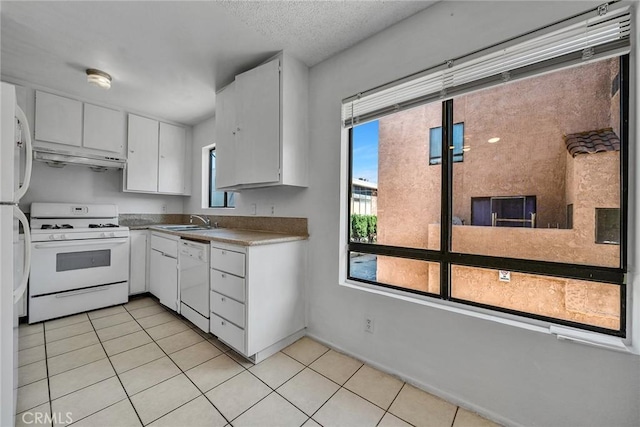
column 228, row 295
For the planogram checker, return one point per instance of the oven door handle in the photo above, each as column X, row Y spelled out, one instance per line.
column 82, row 291
column 81, row 243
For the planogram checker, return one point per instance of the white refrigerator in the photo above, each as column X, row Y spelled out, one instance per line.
column 15, row 147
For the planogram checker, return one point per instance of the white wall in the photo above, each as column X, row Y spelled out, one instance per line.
column 79, row 184
column 516, row 376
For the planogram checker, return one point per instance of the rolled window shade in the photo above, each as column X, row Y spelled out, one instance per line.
column 591, row 38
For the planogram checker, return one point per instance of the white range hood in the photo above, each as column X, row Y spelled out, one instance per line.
column 60, row 159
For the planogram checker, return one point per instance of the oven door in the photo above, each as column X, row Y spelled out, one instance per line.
column 69, row 265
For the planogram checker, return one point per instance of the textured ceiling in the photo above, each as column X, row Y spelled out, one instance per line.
column 168, row 58
column 316, row 30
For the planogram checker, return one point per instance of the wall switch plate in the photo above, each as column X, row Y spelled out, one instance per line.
column 368, row 324
column 254, row 208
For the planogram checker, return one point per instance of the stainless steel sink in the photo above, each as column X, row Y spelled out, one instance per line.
column 181, row 227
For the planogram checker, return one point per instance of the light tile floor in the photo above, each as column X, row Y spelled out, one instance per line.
column 140, row 364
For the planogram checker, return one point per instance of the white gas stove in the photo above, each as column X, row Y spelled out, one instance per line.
column 64, row 221
column 80, row 259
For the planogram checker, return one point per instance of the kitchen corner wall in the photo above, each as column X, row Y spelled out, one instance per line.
column 79, row 184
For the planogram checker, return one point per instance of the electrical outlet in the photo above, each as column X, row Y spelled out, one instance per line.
column 164, row 208
column 368, row 324
column 273, row 210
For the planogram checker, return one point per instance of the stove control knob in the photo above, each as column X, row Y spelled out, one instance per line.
column 103, row 234
column 63, row 237
column 52, row 236
column 112, row 234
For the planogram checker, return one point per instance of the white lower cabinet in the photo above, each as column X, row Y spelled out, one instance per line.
column 163, row 269
column 138, row 262
column 257, row 299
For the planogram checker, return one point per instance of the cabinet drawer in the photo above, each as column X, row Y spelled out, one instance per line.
column 228, row 284
column 227, row 261
column 227, row 332
column 165, row 245
column 228, row 308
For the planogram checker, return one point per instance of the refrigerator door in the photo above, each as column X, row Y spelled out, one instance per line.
column 16, row 143
column 28, row 152
column 8, row 153
column 7, row 317
column 20, row 291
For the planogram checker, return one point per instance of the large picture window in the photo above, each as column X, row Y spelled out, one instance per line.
column 532, row 223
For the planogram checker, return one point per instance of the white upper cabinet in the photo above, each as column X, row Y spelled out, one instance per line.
column 225, row 131
column 171, row 163
column 261, row 127
column 58, row 119
column 157, row 156
column 142, row 158
column 103, row 128
column 258, row 130
column 71, row 125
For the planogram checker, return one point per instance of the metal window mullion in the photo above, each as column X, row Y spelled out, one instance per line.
column 446, row 196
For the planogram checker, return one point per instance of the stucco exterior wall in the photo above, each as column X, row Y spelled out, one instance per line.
column 574, row 300
column 530, row 117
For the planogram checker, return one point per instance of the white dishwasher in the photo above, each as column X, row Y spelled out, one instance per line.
column 194, row 282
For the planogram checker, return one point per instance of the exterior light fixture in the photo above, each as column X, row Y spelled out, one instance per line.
column 98, row 78
column 493, row 140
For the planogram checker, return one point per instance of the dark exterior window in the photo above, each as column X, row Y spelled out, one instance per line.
column 435, row 144
column 608, row 225
column 218, row 199
column 519, row 211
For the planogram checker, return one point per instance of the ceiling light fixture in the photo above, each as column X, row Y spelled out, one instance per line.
column 493, row 140
column 98, row 78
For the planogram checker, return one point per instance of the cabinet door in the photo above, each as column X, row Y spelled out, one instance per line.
column 258, row 134
column 171, row 165
column 103, row 129
column 163, row 279
column 138, row 262
column 58, row 119
column 225, row 133
column 142, row 157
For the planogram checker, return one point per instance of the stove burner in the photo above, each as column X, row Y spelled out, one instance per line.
column 103, row 226
column 55, row 226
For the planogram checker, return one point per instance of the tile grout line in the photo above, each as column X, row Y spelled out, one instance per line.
column 454, row 416
column 305, row 366
column 46, row 364
column 336, row 392
column 118, row 377
column 33, row 363
column 394, row 399
column 340, row 386
column 183, row 373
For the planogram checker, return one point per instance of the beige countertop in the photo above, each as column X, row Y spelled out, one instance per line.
column 228, row 235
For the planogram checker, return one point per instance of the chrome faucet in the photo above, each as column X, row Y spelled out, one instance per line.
column 206, row 221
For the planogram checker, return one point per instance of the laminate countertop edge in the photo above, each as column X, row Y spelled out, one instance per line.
column 228, row 235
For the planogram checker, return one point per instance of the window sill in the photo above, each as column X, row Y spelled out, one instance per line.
column 562, row 333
